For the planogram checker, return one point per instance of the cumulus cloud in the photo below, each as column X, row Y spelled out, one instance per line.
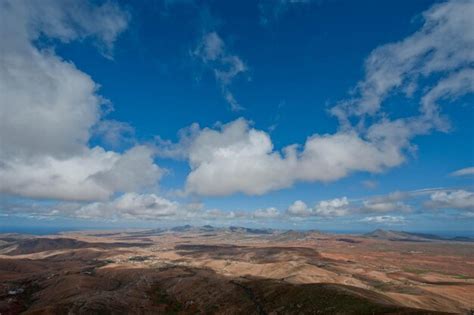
column 463, row 172
column 332, row 208
column 393, row 203
column 237, row 158
column 423, row 199
column 457, row 199
column 130, row 206
column 267, row 213
column 95, row 174
column 326, row 208
column 299, row 209
column 226, row 66
column 148, row 206
column 114, row 133
column 385, row 219
column 49, row 107
column 387, row 203
column 179, row 151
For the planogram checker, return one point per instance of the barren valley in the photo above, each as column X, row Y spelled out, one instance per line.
column 208, row 270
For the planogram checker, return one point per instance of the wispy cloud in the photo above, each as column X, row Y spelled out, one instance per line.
column 212, row 51
column 463, row 172
column 400, row 66
column 236, row 158
column 272, row 11
column 370, row 184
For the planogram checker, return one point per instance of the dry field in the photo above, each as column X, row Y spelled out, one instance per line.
column 234, row 271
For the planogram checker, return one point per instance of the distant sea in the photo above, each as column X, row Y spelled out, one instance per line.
column 42, row 230
column 46, row 230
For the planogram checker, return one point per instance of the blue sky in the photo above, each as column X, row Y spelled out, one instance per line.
column 333, row 115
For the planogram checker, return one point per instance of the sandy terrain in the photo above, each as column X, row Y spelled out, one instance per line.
column 233, row 271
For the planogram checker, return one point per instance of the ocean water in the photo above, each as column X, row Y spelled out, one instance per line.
column 48, row 230
column 42, row 230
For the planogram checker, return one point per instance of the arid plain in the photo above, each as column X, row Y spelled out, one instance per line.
column 208, row 270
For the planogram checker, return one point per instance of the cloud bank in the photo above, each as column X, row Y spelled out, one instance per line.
column 385, row 209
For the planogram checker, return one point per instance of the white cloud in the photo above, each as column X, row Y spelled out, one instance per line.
column 450, row 87
column 299, row 209
column 385, row 219
column 422, row 199
column 237, row 158
column 331, row 157
column 332, row 208
column 339, row 207
column 66, row 20
column 180, row 151
column 463, row 172
column 443, row 45
column 149, row 206
column 266, row 213
column 134, row 206
column 212, row 51
column 441, row 53
column 115, row 133
column 327, row 208
column 130, row 206
column 49, row 107
column 387, row 203
column 211, row 47
column 94, row 174
column 458, row 199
